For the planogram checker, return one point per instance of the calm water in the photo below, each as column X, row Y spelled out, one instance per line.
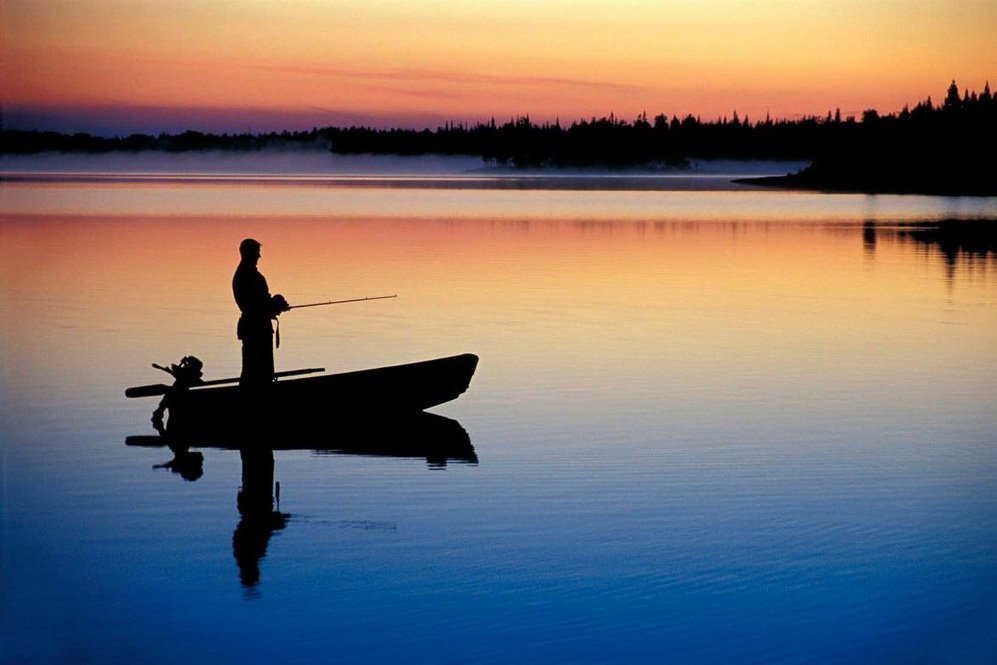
column 711, row 426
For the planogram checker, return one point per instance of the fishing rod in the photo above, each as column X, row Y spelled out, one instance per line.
column 338, row 302
column 329, row 302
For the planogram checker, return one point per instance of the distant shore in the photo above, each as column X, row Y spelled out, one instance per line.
column 889, row 180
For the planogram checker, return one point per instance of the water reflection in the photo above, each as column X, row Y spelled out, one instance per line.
column 869, row 237
column 258, row 518
column 437, row 439
column 652, row 394
column 968, row 243
column 189, row 465
column 972, row 241
column 699, row 198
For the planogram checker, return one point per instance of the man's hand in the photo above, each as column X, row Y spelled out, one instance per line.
column 279, row 304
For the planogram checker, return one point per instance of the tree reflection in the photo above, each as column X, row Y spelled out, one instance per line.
column 972, row 243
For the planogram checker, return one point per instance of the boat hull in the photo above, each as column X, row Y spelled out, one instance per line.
column 397, row 389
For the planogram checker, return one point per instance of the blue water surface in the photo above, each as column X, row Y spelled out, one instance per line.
column 714, row 442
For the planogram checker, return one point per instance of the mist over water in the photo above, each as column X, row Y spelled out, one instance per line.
column 310, row 161
column 317, row 163
column 708, row 427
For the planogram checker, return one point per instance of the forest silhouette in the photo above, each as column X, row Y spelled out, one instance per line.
column 942, row 148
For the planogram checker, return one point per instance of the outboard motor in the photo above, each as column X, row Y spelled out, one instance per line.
column 186, row 373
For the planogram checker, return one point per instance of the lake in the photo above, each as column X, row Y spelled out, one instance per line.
column 709, row 424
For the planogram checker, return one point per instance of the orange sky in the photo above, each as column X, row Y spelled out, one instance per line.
column 298, row 63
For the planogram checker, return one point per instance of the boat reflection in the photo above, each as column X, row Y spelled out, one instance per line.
column 437, row 439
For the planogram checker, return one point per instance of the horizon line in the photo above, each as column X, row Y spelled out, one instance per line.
column 110, row 120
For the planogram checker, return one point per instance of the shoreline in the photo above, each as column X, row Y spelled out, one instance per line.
column 884, row 180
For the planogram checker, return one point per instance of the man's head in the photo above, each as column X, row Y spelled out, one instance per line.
column 249, row 249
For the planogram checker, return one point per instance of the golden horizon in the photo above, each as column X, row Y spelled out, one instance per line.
column 398, row 63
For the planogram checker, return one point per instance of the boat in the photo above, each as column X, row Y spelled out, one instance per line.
column 397, row 389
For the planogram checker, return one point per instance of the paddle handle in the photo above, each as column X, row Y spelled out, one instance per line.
column 147, row 391
column 160, row 389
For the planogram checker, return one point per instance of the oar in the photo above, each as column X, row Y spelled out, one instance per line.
column 339, row 302
column 160, row 389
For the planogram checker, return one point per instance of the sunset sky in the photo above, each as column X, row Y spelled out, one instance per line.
column 229, row 65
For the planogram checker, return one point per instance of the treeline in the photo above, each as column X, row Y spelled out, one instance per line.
column 953, row 130
column 522, row 143
column 948, row 148
column 20, row 142
column 955, row 125
column 608, row 141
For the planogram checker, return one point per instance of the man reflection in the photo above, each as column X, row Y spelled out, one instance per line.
column 259, row 520
column 258, row 308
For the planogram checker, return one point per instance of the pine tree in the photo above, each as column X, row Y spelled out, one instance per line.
column 952, row 101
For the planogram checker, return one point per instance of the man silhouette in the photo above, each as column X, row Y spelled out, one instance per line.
column 258, row 308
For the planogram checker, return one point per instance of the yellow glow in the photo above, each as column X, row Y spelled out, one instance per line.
column 471, row 59
column 162, row 285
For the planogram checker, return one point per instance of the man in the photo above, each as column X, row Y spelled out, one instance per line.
column 258, row 307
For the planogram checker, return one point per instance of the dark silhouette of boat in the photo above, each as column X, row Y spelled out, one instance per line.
column 397, row 389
